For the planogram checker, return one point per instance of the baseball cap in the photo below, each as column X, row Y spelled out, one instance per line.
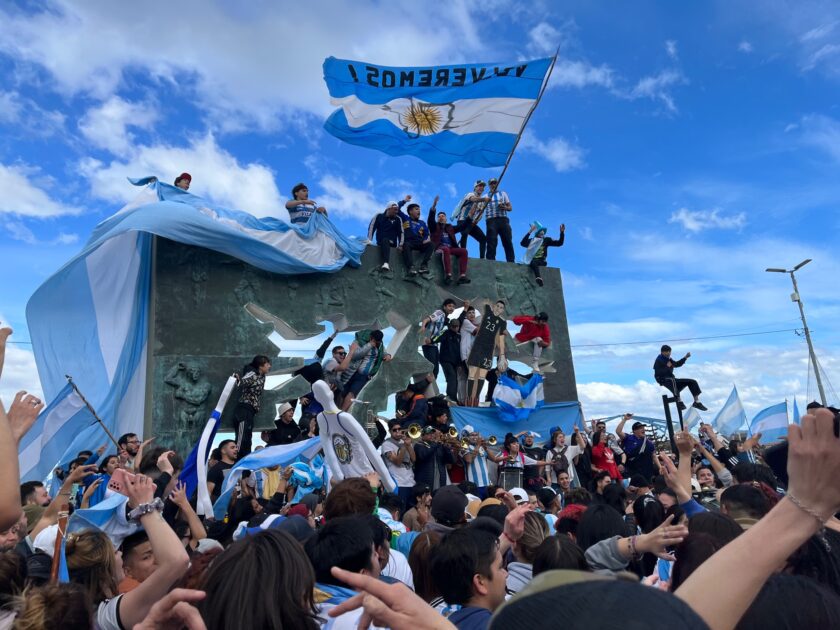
column 638, row 425
column 546, row 496
column 448, row 505
column 519, row 494
column 283, row 408
column 428, row 429
column 493, row 180
column 480, row 182
column 468, row 428
column 639, row 481
column 186, row 176
column 392, row 204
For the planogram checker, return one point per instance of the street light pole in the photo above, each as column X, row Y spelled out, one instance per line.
column 795, row 298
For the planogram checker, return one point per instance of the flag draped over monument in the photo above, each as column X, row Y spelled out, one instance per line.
column 469, row 113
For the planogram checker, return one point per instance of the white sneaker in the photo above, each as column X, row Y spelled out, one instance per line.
column 535, row 366
column 385, row 267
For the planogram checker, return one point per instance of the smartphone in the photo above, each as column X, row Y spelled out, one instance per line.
column 120, row 480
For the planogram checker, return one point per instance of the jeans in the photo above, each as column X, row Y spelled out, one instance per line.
column 385, row 250
column 425, row 248
column 475, row 232
column 499, row 227
column 446, row 254
column 535, row 265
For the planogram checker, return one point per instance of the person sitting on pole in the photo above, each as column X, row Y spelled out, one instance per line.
column 663, row 372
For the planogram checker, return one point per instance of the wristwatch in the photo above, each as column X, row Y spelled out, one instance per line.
column 145, row 508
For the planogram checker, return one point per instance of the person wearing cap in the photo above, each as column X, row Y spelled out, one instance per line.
column 536, row 248
column 433, row 458
column 550, row 505
column 446, row 244
column 535, row 331
column 183, row 181
column 416, row 238
column 286, row 429
column 498, row 223
column 300, row 207
column 638, row 449
column 387, row 228
column 466, row 217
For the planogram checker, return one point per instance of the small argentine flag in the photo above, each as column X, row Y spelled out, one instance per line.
column 515, row 402
column 445, row 114
column 772, row 423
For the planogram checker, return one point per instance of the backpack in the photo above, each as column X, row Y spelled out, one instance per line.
column 560, row 462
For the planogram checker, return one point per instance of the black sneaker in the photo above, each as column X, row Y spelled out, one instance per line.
column 464, row 280
column 448, row 279
column 424, row 269
column 681, row 405
column 700, row 406
column 540, row 281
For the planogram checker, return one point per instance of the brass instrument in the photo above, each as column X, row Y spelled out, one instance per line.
column 453, row 432
column 465, row 444
column 492, row 440
column 414, row 431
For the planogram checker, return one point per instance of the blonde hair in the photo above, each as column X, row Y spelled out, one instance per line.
column 536, row 531
column 92, row 564
column 53, row 607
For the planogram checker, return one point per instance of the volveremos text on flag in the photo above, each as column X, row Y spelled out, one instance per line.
column 469, row 113
column 772, row 423
column 515, row 401
column 43, row 446
column 731, row 417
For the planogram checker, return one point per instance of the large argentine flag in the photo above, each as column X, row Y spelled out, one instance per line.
column 515, row 401
column 89, row 320
column 42, row 447
column 731, row 417
column 772, row 423
column 445, row 114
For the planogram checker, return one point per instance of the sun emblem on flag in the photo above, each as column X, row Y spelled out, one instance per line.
column 422, row 119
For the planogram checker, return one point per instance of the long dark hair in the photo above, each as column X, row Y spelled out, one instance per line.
column 241, row 574
column 254, row 366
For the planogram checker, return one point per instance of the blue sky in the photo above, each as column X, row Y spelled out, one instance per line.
column 686, row 148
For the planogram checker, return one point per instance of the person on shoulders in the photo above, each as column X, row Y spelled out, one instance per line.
column 301, row 207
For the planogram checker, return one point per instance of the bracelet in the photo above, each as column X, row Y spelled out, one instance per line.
column 807, row 510
column 635, row 553
column 144, row 509
column 510, row 540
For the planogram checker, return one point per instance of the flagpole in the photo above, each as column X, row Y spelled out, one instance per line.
column 91, row 409
column 521, row 131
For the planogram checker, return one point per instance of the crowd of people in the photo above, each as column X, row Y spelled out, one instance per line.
column 607, row 528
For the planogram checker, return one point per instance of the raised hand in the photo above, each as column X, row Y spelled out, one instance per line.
column 814, row 463
column 684, row 443
column 23, row 413
column 163, row 463
column 664, row 536
column 141, row 491
column 5, row 331
column 179, row 494
column 80, row 472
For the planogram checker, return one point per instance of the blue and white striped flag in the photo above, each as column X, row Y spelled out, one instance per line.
column 772, row 423
column 691, row 419
column 43, row 446
column 108, row 516
column 282, row 455
column 515, row 402
column 445, row 114
column 796, row 417
column 731, row 417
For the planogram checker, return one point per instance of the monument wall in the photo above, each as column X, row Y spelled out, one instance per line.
column 212, row 313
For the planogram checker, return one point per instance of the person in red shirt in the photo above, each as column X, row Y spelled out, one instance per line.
column 535, row 330
column 603, row 457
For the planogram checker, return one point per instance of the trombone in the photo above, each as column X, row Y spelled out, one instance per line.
column 414, row 431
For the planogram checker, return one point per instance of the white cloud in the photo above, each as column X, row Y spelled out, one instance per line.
column 671, row 49
column 586, row 233
column 106, row 126
column 10, row 107
column 217, row 175
column 543, row 39
column 579, row 74
column 818, row 32
column 745, row 47
column 563, row 155
column 19, row 371
column 20, row 232
column 699, row 220
column 656, row 88
column 226, row 56
column 823, row 133
column 344, row 200
column 824, row 53
column 22, row 197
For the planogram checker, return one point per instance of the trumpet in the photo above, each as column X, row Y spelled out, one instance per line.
column 414, row 431
column 465, row 444
column 453, row 432
column 492, row 440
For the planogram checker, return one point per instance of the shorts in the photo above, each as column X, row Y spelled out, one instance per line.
column 355, row 384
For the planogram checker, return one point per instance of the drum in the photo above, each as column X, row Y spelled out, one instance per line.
column 510, row 477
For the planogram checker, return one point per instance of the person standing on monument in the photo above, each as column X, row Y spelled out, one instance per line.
column 251, row 385
column 536, row 248
column 466, row 216
column 489, row 341
column 301, row 207
column 498, row 223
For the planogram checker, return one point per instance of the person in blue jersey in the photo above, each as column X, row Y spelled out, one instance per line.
column 475, row 457
column 387, row 227
column 416, row 239
column 498, row 223
column 301, row 207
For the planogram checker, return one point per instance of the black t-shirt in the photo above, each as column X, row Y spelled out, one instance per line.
column 216, row 476
column 534, row 452
column 484, row 345
column 284, row 433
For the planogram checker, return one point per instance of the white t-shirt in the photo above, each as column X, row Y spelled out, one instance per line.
column 467, row 338
column 403, row 473
column 398, row 568
column 572, row 451
column 107, row 614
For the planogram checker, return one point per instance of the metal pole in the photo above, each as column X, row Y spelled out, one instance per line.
column 795, row 297
column 92, row 410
